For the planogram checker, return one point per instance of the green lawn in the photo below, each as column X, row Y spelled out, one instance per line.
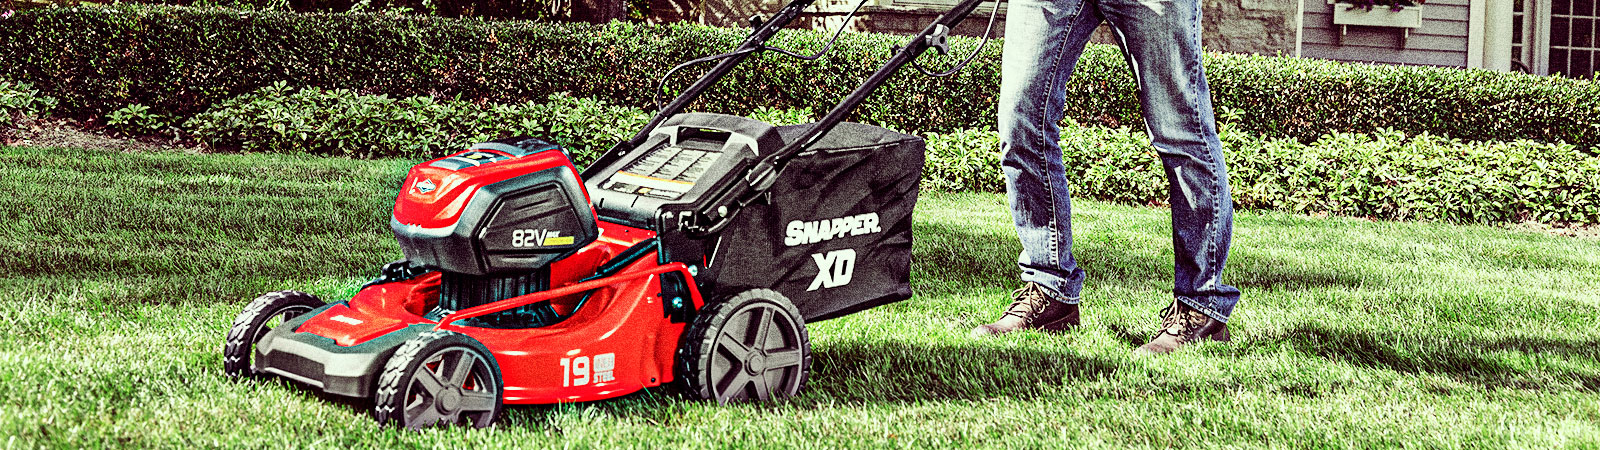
column 122, row 271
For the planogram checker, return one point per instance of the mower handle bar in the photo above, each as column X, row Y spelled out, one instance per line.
column 755, row 42
column 905, row 55
column 764, row 172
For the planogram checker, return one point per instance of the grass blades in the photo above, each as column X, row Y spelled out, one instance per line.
column 123, row 271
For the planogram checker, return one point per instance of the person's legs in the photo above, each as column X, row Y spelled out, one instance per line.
column 1161, row 39
column 1044, row 39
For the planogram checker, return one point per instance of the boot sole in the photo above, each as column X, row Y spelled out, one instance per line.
column 1218, row 336
column 1060, row 325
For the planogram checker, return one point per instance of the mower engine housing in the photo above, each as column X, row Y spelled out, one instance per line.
column 504, row 209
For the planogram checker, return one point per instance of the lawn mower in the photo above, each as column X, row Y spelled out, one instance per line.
column 692, row 254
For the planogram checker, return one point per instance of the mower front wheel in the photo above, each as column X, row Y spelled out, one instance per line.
column 259, row 317
column 752, row 346
column 439, row 377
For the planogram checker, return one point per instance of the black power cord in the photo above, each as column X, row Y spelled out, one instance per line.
column 829, row 45
column 661, row 86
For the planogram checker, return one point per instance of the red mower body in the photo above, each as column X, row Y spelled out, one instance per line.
column 614, row 346
column 435, row 193
column 601, row 337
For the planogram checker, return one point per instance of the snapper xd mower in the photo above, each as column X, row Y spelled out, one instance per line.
column 694, row 253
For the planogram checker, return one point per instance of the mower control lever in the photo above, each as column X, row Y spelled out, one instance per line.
column 939, row 40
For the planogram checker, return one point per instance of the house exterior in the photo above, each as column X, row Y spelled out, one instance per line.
column 1535, row 36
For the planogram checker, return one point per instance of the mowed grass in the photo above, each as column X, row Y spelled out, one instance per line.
column 122, row 271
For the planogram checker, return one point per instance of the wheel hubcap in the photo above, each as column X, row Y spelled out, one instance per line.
column 757, row 356
column 449, row 400
column 448, row 387
column 757, row 364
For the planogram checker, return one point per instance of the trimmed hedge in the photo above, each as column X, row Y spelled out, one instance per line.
column 282, row 119
column 180, row 61
column 1387, row 175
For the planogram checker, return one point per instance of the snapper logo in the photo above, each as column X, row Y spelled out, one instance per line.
column 814, row 231
column 424, row 186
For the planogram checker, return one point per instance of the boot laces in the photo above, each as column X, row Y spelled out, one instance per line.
column 1179, row 321
column 1030, row 301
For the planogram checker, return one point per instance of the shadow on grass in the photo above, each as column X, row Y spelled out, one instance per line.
column 852, row 373
column 961, row 256
column 878, row 372
column 1266, row 273
column 1127, row 336
column 947, row 255
column 1463, row 360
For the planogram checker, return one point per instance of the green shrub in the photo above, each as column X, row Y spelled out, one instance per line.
column 1386, row 175
column 180, row 61
column 965, row 160
column 21, row 99
column 1390, row 175
column 777, row 116
column 138, row 119
column 280, row 118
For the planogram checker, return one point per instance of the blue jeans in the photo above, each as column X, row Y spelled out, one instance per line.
column 1161, row 40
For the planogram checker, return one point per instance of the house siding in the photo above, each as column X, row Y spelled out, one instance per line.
column 1441, row 41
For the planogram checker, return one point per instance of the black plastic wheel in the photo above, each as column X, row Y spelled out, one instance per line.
column 752, row 346
column 259, row 317
column 439, row 377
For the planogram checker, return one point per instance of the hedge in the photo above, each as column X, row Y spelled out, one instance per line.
column 180, row 61
column 1386, row 175
column 1383, row 175
column 341, row 122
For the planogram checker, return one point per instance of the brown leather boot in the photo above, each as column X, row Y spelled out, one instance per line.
column 1181, row 325
column 1033, row 308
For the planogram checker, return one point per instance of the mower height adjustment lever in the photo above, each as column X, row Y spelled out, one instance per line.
column 397, row 271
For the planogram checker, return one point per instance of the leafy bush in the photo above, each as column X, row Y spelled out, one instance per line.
column 21, row 99
column 965, row 160
column 281, row 118
column 1390, row 175
column 777, row 116
column 1386, row 175
column 180, row 61
column 138, row 119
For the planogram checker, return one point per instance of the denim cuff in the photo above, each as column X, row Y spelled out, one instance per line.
column 1204, row 306
column 1054, row 295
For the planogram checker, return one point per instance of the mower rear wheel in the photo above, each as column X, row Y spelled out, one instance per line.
column 752, row 346
column 439, row 377
column 259, row 317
